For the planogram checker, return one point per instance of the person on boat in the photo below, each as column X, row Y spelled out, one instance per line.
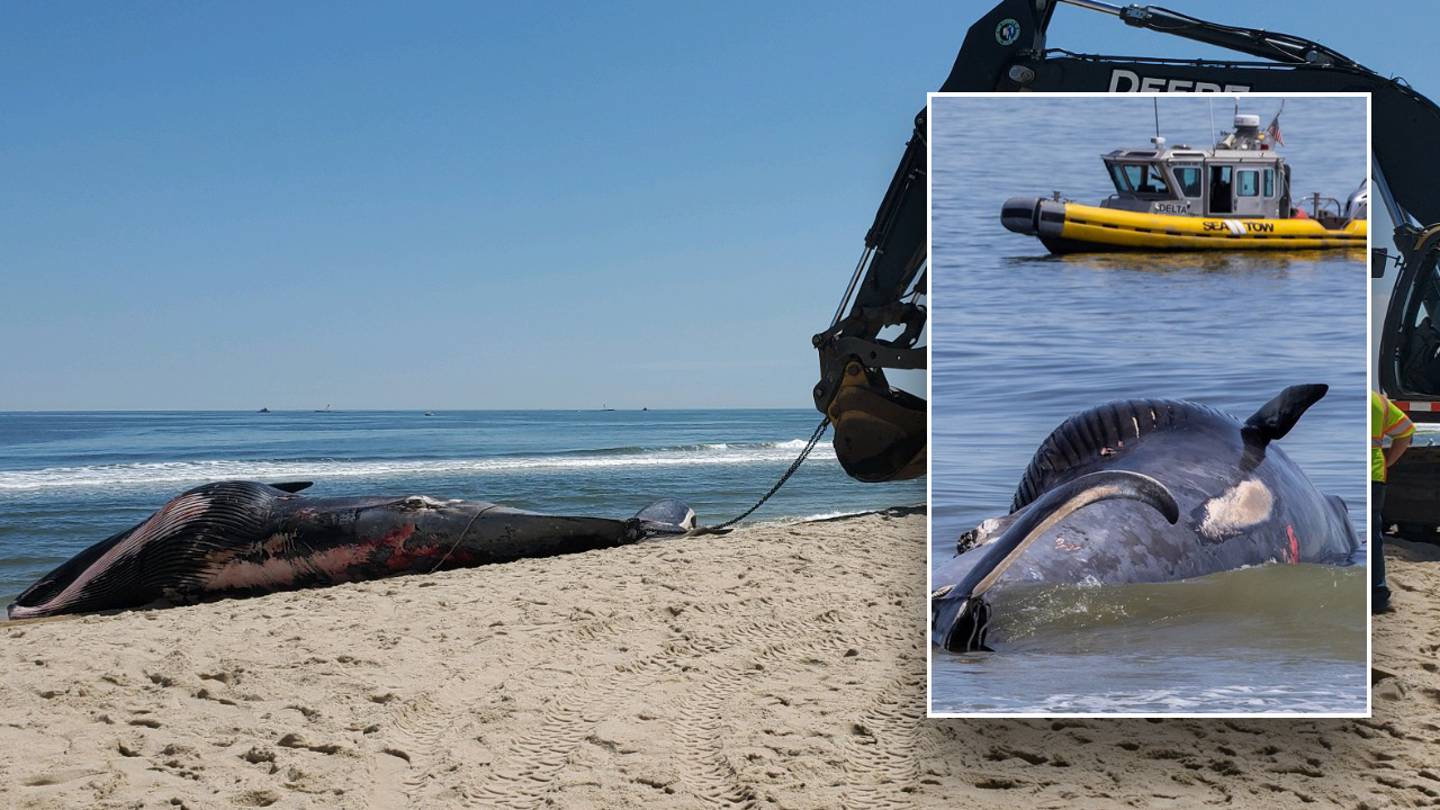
column 1386, row 422
column 1220, row 194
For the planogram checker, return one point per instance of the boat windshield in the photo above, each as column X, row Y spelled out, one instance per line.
column 1138, row 178
column 1188, row 178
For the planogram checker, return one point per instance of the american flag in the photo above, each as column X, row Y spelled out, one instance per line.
column 1274, row 130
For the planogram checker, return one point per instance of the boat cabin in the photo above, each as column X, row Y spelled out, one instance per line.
column 1239, row 178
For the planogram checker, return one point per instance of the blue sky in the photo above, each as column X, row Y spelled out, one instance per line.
column 475, row 205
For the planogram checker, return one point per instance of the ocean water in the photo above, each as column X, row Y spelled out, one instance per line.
column 68, row 480
column 1021, row 340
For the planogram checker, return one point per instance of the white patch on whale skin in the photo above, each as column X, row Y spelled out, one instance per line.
column 1242, row 506
column 986, row 531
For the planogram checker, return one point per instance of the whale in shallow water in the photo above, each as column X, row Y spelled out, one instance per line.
column 238, row 538
column 1219, row 494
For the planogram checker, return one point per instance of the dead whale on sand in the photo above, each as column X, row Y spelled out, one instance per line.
column 238, row 538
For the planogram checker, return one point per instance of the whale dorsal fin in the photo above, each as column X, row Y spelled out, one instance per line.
column 1276, row 417
column 292, row 486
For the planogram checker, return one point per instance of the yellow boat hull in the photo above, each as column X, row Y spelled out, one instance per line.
column 1071, row 227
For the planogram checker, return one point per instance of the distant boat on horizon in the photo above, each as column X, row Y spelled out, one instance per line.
column 263, row 410
column 325, row 409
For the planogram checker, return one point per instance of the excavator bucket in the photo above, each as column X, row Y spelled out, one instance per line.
column 879, row 430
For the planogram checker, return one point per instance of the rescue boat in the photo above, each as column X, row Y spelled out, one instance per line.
column 1235, row 196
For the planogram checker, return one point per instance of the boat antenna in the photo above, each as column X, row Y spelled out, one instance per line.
column 1213, row 135
column 1156, row 99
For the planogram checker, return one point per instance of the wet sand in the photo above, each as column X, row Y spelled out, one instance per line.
column 770, row 667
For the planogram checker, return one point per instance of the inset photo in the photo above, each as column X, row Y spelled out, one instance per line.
column 1148, row 393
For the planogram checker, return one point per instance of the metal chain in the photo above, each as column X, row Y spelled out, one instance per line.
column 810, row 445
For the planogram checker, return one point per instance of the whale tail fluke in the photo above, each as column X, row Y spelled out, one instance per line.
column 1276, row 417
column 667, row 516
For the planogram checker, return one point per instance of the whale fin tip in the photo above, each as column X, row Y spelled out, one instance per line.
column 1276, row 417
column 293, row 486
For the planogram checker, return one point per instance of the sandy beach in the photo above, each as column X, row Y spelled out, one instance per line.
column 776, row 666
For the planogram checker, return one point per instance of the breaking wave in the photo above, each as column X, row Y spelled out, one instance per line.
column 619, row 459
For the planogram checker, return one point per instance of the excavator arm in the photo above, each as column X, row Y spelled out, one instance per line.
column 880, row 430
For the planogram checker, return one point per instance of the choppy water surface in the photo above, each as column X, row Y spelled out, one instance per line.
column 68, row 480
column 1022, row 340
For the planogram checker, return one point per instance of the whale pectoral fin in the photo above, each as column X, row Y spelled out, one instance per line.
column 1342, row 519
column 1276, row 417
column 955, row 608
column 293, row 486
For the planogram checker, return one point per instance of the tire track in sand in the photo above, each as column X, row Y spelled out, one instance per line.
column 700, row 718
column 532, row 764
column 416, row 742
column 418, row 727
column 883, row 748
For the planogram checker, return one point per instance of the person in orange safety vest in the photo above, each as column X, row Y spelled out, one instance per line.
column 1387, row 424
